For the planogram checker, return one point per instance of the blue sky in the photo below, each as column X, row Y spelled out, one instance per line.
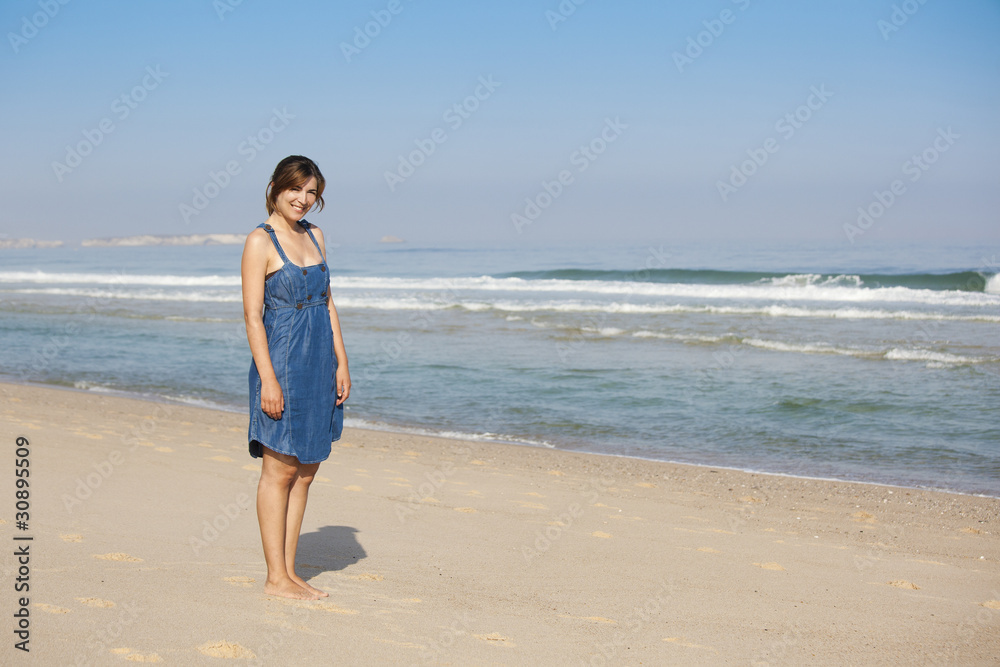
column 200, row 78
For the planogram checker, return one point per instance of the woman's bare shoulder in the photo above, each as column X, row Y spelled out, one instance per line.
column 257, row 238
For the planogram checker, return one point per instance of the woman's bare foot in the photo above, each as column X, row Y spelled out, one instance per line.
column 287, row 588
column 302, row 582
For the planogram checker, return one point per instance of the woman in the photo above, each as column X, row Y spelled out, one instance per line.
column 298, row 378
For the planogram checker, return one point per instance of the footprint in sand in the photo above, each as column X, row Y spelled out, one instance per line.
column 143, row 657
column 223, row 649
column 557, row 473
column 165, row 450
column 71, row 538
column 119, row 556
column 51, row 608
column 535, row 494
column 902, row 583
column 991, row 604
column 245, row 582
column 314, row 605
column 863, row 517
column 96, row 602
column 530, row 506
column 133, row 656
column 251, row 467
column 598, row 533
column 220, row 459
column 320, row 478
column 709, row 550
column 467, row 510
column 769, row 566
column 352, row 488
column 645, row 485
column 972, row 531
column 495, row 638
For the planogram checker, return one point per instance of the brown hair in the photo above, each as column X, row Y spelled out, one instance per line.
column 293, row 171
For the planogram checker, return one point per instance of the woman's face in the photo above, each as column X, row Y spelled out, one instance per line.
column 296, row 201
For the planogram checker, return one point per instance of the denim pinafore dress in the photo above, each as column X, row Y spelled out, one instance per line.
column 300, row 342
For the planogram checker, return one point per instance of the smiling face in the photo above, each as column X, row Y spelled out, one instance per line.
column 292, row 204
column 296, row 186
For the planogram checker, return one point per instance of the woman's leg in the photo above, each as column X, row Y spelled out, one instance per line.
column 277, row 476
column 293, row 522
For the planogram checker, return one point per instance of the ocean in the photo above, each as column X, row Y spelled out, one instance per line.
column 876, row 363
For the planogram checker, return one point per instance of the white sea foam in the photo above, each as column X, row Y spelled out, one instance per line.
column 807, row 287
column 892, row 354
column 429, row 303
column 805, row 348
column 352, row 422
column 813, row 280
column 140, row 295
column 798, row 287
column 903, row 354
column 123, row 279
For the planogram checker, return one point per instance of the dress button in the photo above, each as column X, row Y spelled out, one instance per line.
column 298, row 306
column 322, row 267
column 304, row 272
column 268, row 227
column 309, row 298
column 323, row 294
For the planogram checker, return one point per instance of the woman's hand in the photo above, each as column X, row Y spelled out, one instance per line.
column 343, row 383
column 272, row 401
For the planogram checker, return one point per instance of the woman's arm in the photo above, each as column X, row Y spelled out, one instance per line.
column 339, row 350
column 253, row 269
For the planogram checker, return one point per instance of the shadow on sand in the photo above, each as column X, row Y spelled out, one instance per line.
column 329, row 549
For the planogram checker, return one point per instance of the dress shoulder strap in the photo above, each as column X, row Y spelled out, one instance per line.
column 274, row 239
column 309, row 226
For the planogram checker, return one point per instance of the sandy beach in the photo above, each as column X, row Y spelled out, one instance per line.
column 145, row 548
